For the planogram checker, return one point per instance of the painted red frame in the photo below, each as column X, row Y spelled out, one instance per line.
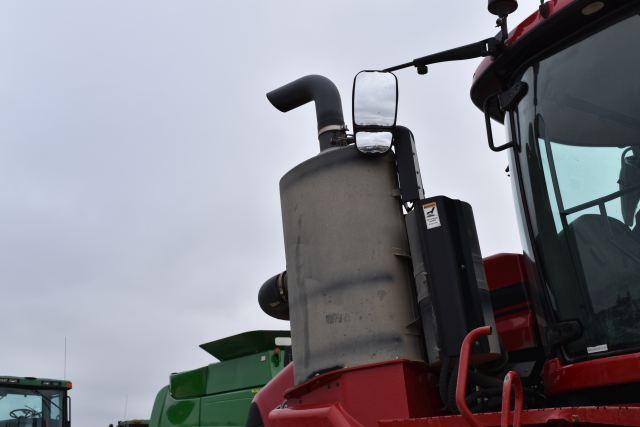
column 612, row 370
column 526, row 26
column 515, row 324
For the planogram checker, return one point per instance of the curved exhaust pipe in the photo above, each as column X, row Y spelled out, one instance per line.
column 325, row 94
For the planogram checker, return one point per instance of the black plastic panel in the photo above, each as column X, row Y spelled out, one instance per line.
column 450, row 280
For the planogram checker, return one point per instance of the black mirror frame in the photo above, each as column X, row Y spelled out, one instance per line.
column 373, row 128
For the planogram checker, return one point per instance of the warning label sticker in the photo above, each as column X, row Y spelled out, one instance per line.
column 597, row 348
column 431, row 215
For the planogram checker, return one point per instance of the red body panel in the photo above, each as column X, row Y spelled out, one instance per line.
column 272, row 394
column 535, row 19
column 401, row 394
column 612, row 370
column 587, row 416
column 503, row 270
column 312, row 416
column 360, row 396
column 515, row 321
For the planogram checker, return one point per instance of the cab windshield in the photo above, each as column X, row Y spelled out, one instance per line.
column 579, row 127
column 32, row 408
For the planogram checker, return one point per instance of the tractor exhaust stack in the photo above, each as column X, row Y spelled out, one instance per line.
column 325, row 94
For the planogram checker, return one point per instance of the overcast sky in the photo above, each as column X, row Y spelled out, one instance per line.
column 140, row 159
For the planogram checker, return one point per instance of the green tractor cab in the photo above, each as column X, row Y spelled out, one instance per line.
column 34, row 402
column 221, row 393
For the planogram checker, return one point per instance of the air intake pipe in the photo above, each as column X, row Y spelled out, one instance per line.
column 273, row 297
column 324, row 93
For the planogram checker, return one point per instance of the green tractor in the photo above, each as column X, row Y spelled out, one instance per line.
column 220, row 394
column 34, row 402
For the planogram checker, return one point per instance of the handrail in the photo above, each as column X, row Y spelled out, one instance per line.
column 463, row 369
column 509, row 379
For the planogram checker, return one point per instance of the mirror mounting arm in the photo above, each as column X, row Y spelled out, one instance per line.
column 407, row 166
column 486, row 47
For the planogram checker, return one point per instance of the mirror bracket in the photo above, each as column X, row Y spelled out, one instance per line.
column 487, row 47
column 342, row 140
column 409, row 178
column 509, row 99
column 564, row 332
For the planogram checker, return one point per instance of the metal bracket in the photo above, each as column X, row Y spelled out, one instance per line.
column 509, row 99
column 327, row 128
column 507, row 103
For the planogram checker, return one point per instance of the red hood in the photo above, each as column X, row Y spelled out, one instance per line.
column 535, row 19
column 555, row 23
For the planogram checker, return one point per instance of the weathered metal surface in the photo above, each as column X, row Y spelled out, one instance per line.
column 350, row 297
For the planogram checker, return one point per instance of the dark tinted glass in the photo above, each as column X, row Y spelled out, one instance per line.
column 580, row 131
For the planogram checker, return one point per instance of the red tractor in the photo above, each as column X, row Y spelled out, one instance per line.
column 396, row 319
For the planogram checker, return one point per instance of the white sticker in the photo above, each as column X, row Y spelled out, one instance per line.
column 431, row 215
column 597, row 349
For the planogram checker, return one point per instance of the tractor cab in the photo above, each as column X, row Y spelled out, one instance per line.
column 577, row 155
column 571, row 106
column 34, row 402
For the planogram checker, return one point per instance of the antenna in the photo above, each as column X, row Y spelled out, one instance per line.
column 126, row 401
column 64, row 376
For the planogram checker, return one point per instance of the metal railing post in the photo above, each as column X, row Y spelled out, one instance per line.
column 510, row 379
column 463, row 369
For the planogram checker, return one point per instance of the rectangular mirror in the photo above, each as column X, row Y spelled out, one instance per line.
column 375, row 99
column 374, row 142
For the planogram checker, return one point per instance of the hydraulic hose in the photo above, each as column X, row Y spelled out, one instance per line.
column 325, row 94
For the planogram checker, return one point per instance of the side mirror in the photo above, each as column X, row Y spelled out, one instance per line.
column 283, row 341
column 375, row 106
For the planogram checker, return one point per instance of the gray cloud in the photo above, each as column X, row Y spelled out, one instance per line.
column 139, row 168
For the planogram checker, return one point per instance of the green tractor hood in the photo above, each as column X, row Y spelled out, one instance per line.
column 247, row 360
column 243, row 344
